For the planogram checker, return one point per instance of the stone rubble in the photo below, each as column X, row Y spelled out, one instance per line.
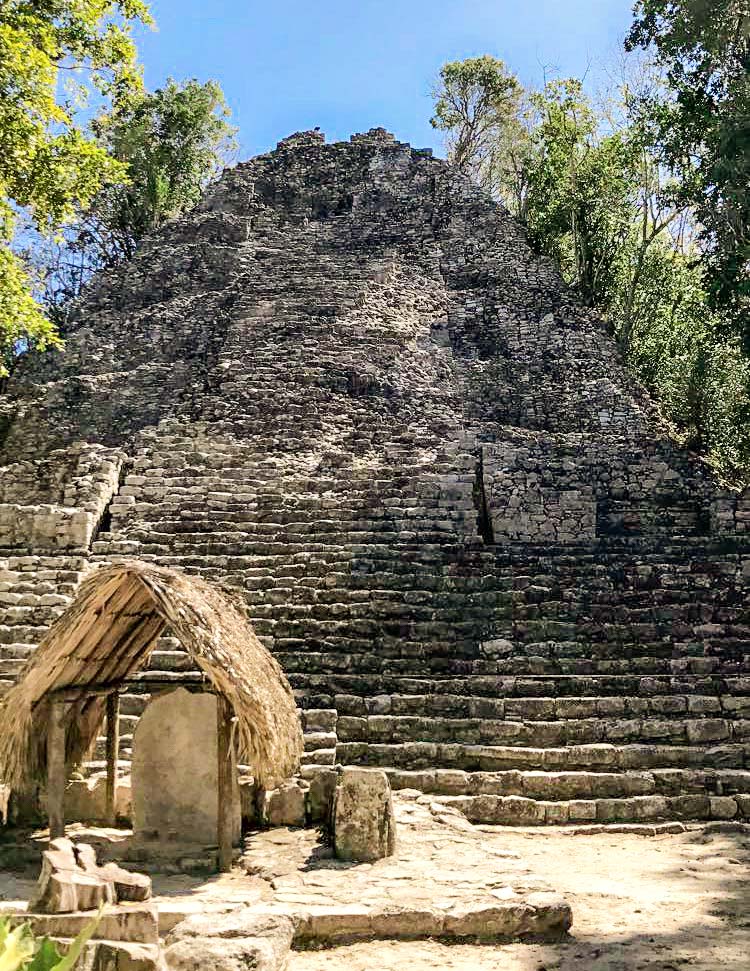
column 72, row 880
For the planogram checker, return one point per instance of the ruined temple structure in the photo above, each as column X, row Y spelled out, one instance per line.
column 345, row 388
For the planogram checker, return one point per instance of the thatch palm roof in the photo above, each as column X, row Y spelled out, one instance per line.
column 108, row 634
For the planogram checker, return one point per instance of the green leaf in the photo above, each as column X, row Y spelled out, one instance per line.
column 69, row 961
column 18, row 947
column 46, row 958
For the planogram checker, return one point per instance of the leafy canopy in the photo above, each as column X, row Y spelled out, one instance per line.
column 170, row 143
column 475, row 100
column 52, row 54
column 596, row 195
column 702, row 129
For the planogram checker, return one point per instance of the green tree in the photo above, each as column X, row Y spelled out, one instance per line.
column 702, row 130
column 170, row 144
column 479, row 105
column 580, row 190
column 51, row 55
column 596, row 197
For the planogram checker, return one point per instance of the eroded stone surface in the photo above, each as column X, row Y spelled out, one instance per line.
column 175, row 771
column 72, row 880
column 285, row 806
column 446, row 879
column 345, row 387
column 134, row 924
column 364, row 825
column 230, row 942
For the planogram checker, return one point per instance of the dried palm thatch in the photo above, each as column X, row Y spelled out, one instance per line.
column 108, row 634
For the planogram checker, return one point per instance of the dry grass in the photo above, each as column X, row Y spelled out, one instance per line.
column 108, row 635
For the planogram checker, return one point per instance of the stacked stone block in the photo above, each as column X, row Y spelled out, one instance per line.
column 345, row 389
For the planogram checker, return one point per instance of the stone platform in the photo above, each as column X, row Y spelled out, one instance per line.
column 448, row 879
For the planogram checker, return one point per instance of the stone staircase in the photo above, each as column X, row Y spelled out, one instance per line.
column 34, row 590
column 604, row 683
column 345, row 389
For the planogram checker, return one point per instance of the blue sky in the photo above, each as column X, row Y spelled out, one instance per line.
column 350, row 66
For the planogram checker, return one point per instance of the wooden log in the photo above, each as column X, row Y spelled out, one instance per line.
column 146, row 679
column 224, row 787
column 113, row 745
column 57, row 775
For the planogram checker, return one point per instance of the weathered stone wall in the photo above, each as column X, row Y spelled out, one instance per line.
column 345, row 387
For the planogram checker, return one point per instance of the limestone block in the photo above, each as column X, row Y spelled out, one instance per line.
column 552, row 913
column 556, row 813
column 242, row 922
column 691, row 805
column 723, row 807
column 333, row 923
column 175, row 771
column 64, row 887
column 406, row 922
column 238, row 954
column 650, row 807
column 45, row 526
column 423, row 780
column 501, row 810
column 128, row 887
column 450, row 781
column 581, row 810
column 85, row 799
column 120, row 956
column 490, row 921
column 321, row 794
column 64, row 892
column 363, row 820
column 235, row 941
column 320, row 720
column 707, row 730
column 129, row 923
column 285, row 806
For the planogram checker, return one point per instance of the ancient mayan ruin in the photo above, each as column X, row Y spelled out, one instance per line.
column 344, row 389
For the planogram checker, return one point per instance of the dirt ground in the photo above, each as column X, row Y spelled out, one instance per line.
column 661, row 903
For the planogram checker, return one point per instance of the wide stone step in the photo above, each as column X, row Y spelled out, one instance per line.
column 355, row 694
column 438, row 707
column 397, row 659
column 675, row 730
column 168, row 661
column 15, row 652
column 250, row 544
column 573, row 784
column 520, row 811
column 11, row 634
column 589, row 757
column 11, row 667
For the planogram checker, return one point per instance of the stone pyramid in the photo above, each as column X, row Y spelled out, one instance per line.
column 346, row 388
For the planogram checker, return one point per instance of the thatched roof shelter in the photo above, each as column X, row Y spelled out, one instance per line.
column 108, row 634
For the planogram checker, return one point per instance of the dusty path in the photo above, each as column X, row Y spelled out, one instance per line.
column 661, row 903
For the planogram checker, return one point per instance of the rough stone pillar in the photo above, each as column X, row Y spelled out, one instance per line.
column 363, row 821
